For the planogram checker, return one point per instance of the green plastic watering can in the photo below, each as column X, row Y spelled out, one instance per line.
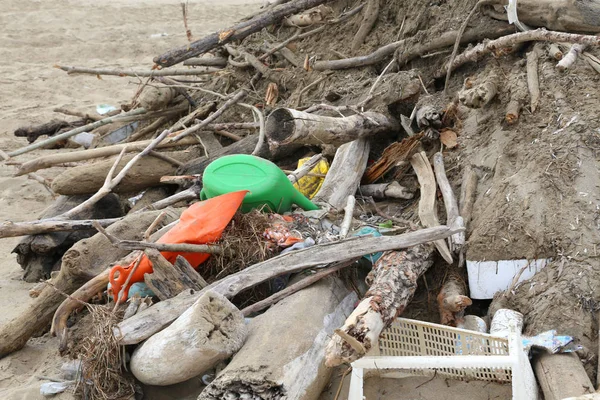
column 268, row 185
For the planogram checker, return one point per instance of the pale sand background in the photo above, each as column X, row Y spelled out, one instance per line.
column 35, row 35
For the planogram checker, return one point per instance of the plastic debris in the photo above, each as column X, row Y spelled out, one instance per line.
column 49, row 389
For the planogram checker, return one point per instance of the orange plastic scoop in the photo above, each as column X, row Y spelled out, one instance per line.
column 201, row 223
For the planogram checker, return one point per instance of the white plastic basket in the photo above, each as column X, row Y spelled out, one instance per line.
column 416, row 346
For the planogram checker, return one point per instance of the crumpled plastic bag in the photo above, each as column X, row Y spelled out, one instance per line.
column 309, row 186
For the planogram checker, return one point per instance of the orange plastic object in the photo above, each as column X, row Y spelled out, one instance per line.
column 201, row 223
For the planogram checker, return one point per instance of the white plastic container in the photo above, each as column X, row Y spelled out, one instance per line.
column 486, row 278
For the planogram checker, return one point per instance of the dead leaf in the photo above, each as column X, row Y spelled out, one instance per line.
column 448, row 137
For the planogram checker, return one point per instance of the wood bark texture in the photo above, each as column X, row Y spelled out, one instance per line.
column 168, row 280
column 392, row 284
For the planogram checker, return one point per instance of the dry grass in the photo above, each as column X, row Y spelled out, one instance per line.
column 101, row 356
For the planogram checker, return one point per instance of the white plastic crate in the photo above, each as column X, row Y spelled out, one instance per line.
column 416, row 346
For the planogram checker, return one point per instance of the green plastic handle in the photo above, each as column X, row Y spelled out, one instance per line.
column 300, row 200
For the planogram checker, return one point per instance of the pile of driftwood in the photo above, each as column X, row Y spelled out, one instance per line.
column 240, row 94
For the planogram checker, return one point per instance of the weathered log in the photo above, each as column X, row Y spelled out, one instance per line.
column 369, row 18
column 285, row 126
column 210, row 331
column 453, row 219
column 293, row 365
column 145, row 324
column 518, row 95
column 86, row 259
column 559, row 15
column 561, row 376
column 345, row 173
column 427, row 203
column 167, row 280
column 145, row 173
column 386, row 190
column 533, row 82
column 392, row 282
column 234, row 33
column 39, row 254
column 207, row 62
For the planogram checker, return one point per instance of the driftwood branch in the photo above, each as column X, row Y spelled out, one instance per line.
column 570, row 58
column 476, row 53
column 457, row 241
column 533, row 82
column 348, row 214
column 427, row 206
column 305, row 169
column 167, row 280
column 73, row 132
column 234, row 33
column 157, row 317
column 393, row 282
column 136, row 73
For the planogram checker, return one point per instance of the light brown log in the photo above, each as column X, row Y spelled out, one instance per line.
column 453, row 219
column 345, row 173
column 570, row 58
column 11, row 229
column 561, row 376
column 427, row 203
column 291, row 364
column 167, row 280
column 286, row 125
column 468, row 190
column 85, row 260
column 207, row 61
column 369, row 18
column 145, row 173
column 393, row 282
column 145, row 324
column 518, row 95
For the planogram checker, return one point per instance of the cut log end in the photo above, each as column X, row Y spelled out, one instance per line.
column 279, row 126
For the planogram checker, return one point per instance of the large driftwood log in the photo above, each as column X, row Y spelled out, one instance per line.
column 145, row 173
column 86, row 259
column 393, row 282
column 11, row 229
column 286, row 125
column 39, row 254
column 293, row 365
column 559, row 15
column 234, row 33
column 561, row 376
column 345, row 173
column 145, row 324
column 427, row 203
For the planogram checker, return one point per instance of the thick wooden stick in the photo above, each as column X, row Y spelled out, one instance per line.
column 145, row 324
column 234, row 33
column 207, row 62
column 348, row 214
column 427, row 206
column 569, row 59
column 393, row 283
column 12, row 229
column 73, row 132
column 454, row 220
column 140, row 73
column 476, row 53
column 305, row 169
